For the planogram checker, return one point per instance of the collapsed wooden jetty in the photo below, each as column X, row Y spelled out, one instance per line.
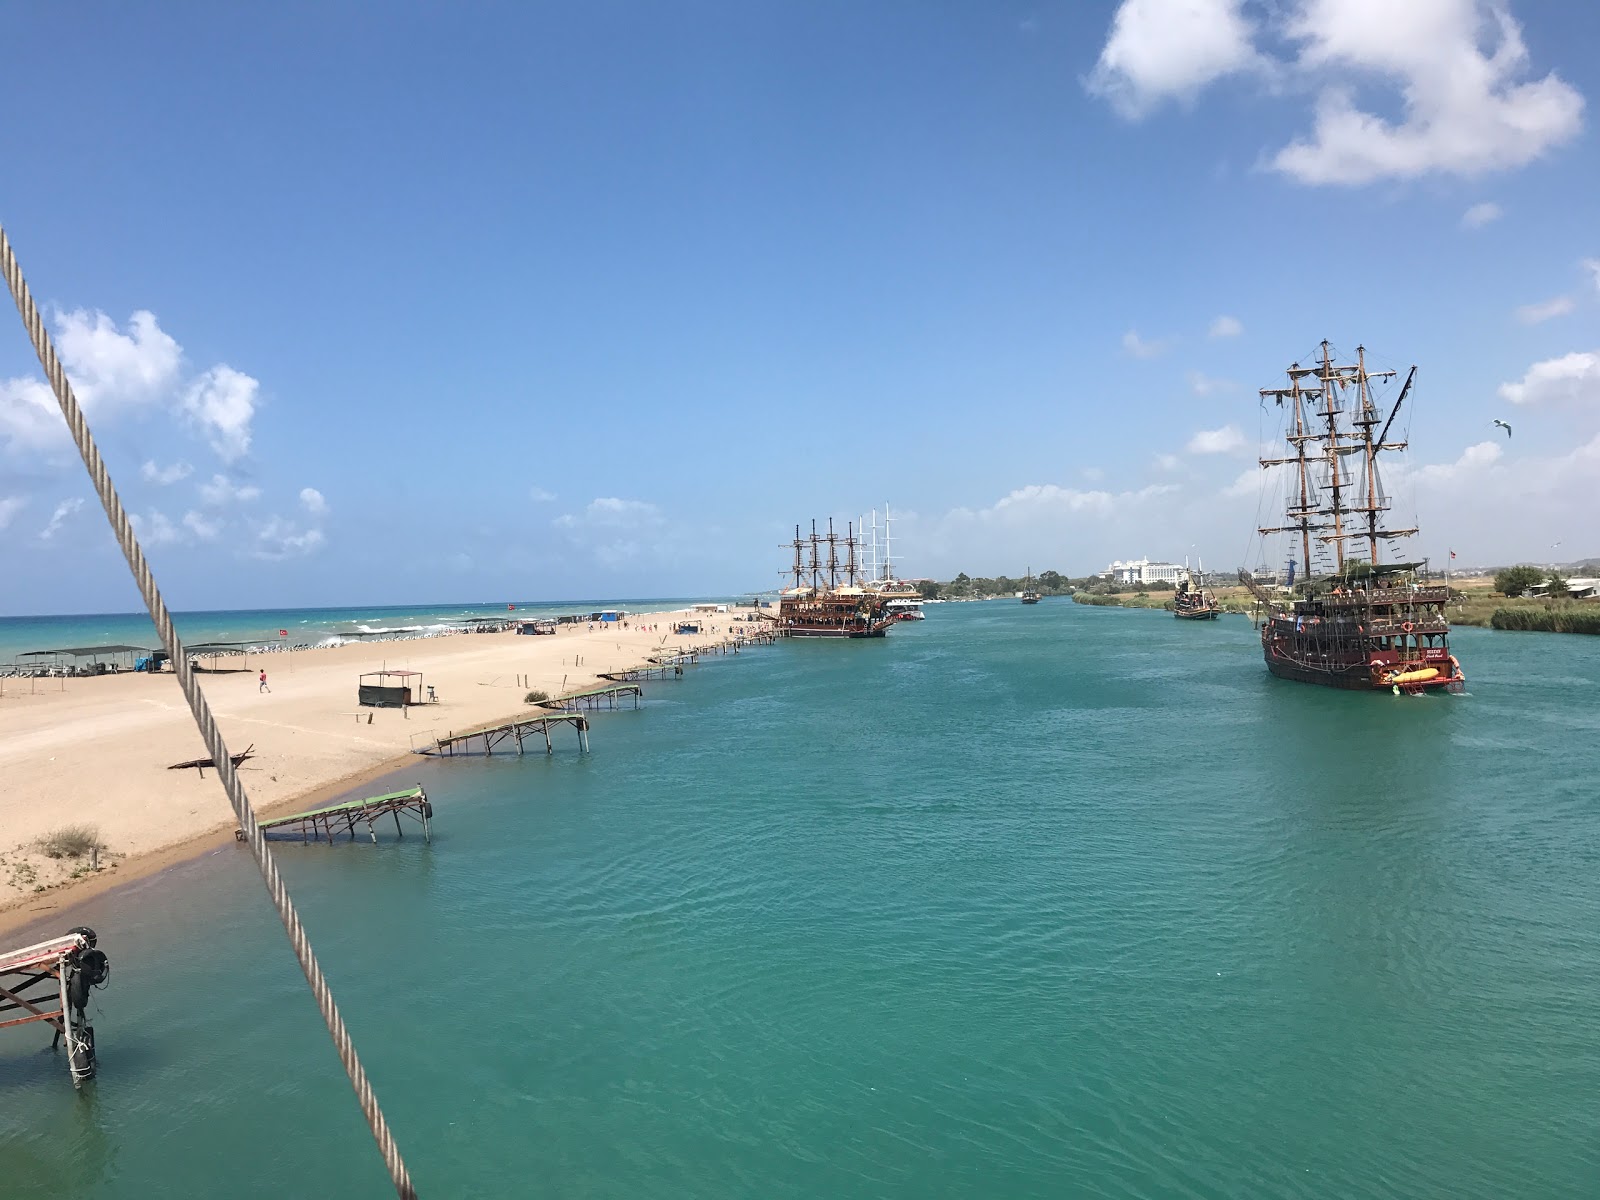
column 595, row 698
column 324, row 822
column 484, row 741
column 200, row 764
column 655, row 671
column 50, row 982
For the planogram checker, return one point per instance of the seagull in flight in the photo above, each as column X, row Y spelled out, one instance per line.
column 1503, row 425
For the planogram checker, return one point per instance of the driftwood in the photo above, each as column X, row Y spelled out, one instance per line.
column 200, row 764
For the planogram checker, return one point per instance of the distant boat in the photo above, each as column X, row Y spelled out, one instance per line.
column 1028, row 595
column 903, row 608
column 825, row 600
column 1193, row 602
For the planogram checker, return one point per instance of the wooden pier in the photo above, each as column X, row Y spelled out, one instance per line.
column 342, row 818
column 50, row 982
column 595, row 698
column 516, row 731
column 634, row 674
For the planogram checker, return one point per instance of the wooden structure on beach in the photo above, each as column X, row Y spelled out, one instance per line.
column 389, row 689
column 343, row 818
column 200, row 764
column 50, row 982
column 485, row 741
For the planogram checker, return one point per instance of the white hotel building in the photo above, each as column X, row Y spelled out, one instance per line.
column 1142, row 570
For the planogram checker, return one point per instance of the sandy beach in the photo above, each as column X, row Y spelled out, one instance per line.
column 96, row 751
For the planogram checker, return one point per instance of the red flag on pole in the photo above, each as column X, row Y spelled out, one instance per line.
column 285, row 632
column 1452, row 554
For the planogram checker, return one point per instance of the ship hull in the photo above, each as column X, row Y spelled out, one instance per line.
column 1209, row 614
column 1360, row 676
column 800, row 631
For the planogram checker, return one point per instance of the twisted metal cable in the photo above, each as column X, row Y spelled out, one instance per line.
column 131, row 549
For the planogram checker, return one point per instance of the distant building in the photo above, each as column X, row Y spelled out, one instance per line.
column 1142, row 570
column 1578, row 589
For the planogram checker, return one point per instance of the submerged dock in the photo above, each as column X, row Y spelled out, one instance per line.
column 324, row 822
column 484, row 741
column 58, row 974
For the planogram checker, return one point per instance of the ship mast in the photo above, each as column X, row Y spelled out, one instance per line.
column 888, row 558
column 816, row 558
column 1299, row 511
column 833, row 558
column 798, row 567
column 1332, row 381
column 850, row 549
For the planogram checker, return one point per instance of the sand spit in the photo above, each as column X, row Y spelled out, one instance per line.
column 96, row 751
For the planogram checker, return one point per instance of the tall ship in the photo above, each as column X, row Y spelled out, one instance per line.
column 1192, row 601
column 827, row 598
column 876, row 570
column 1353, row 620
column 1029, row 595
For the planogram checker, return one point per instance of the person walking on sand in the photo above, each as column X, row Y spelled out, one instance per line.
column 264, row 687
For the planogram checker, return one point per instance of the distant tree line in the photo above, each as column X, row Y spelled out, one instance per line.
column 1515, row 581
column 1048, row 583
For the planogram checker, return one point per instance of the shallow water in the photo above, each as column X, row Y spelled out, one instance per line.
column 1036, row 901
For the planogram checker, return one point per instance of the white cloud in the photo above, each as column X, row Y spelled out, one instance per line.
column 1169, row 49
column 1137, row 347
column 1480, row 215
column 279, row 539
column 155, row 529
column 222, row 403
column 312, row 501
column 1556, row 306
column 109, row 367
column 10, row 506
column 1457, row 67
column 1473, row 459
column 1216, row 441
column 1168, row 462
column 30, row 419
column 1465, row 112
column 539, row 496
column 1592, row 265
column 221, row 492
column 1225, row 327
column 1204, row 385
column 203, row 527
column 1572, row 377
column 63, row 511
column 611, row 512
column 164, row 476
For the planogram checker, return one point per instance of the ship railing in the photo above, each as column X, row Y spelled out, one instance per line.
column 1360, row 598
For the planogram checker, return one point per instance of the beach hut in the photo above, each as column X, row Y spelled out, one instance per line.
column 389, row 689
column 541, row 625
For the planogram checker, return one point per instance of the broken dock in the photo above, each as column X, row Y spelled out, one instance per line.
column 485, row 741
column 58, row 974
column 605, row 697
column 313, row 826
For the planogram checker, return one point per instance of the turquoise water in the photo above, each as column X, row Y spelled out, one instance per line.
column 304, row 626
column 1022, row 902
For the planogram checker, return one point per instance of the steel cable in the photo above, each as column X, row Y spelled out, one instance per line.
column 123, row 529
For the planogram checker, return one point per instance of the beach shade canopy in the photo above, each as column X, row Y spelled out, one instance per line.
column 87, row 651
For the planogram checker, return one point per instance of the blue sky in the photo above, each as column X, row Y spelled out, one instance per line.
column 525, row 301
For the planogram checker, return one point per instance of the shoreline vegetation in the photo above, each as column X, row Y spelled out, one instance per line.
column 91, row 803
column 1500, row 601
